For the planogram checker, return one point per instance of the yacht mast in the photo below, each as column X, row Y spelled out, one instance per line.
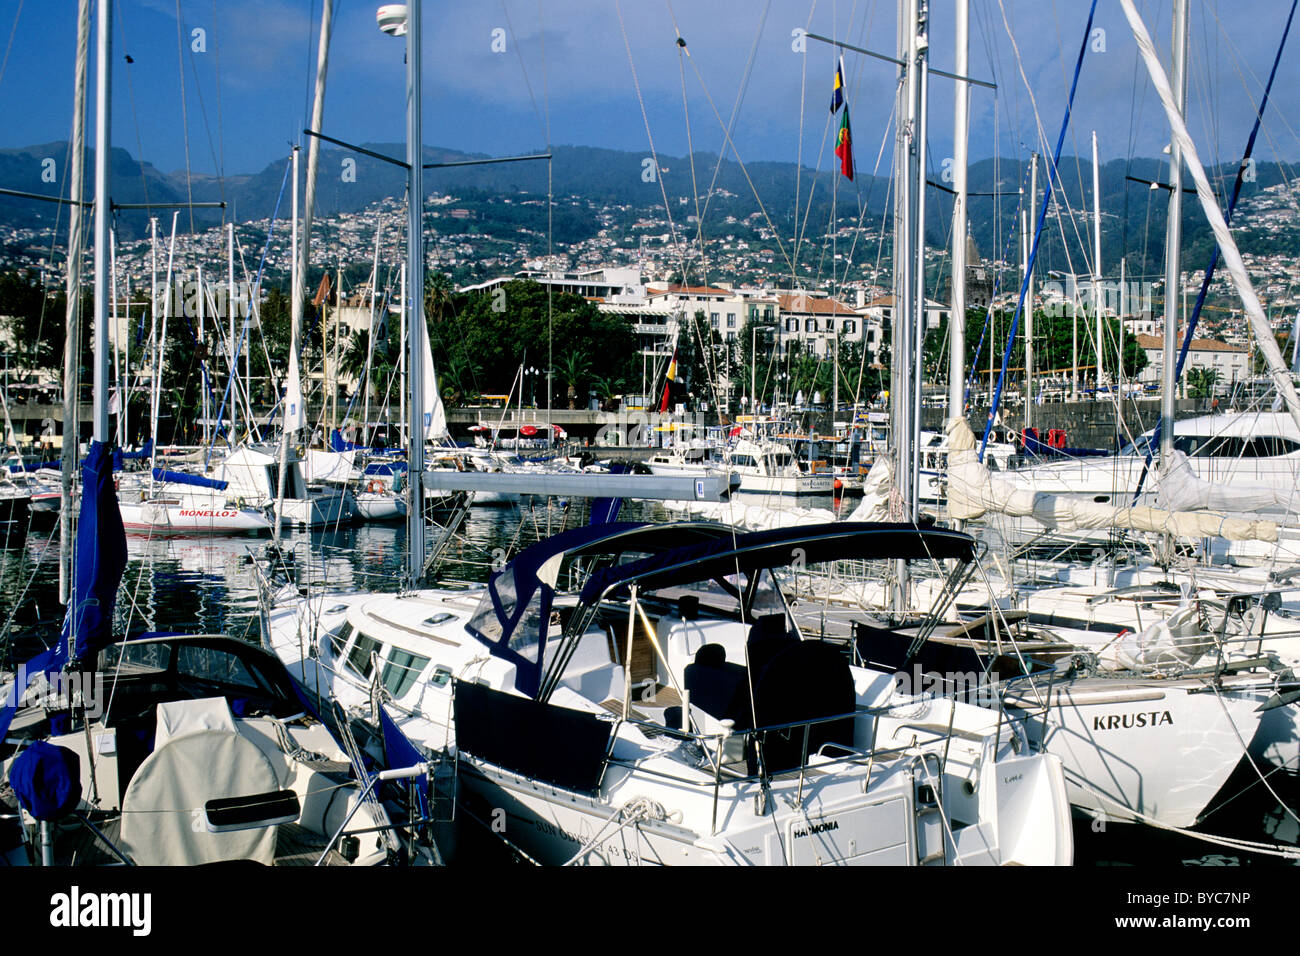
column 103, row 210
column 1173, row 240
column 960, row 130
column 72, row 341
column 415, row 300
column 1096, row 262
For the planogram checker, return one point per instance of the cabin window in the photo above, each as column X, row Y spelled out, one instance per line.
column 339, row 639
column 440, row 618
column 361, row 661
column 527, row 634
column 214, row 666
column 400, row 672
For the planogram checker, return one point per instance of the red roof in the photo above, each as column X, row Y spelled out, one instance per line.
column 810, row 305
column 674, row 289
column 1198, row 345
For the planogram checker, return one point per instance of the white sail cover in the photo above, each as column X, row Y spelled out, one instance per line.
column 159, row 824
column 295, row 415
column 1181, row 489
column 974, row 491
column 878, row 494
column 337, row 466
column 435, row 417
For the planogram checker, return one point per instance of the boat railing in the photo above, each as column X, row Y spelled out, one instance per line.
column 714, row 747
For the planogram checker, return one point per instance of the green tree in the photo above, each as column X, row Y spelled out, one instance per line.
column 1201, row 382
column 481, row 340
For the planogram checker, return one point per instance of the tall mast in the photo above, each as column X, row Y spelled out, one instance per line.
column 295, row 329
column 960, row 124
column 1173, row 238
column 103, row 142
column 234, row 353
column 921, row 96
column 909, row 261
column 203, row 312
column 1096, row 256
column 71, row 348
column 415, row 299
column 1029, row 295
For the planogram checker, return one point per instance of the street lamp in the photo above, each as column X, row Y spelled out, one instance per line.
column 531, row 374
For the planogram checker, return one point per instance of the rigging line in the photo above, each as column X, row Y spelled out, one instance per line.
column 1042, row 213
column 185, row 122
column 743, row 168
column 546, row 90
column 690, row 155
column 798, row 156
column 135, row 116
column 13, row 31
column 740, row 97
column 221, row 139
column 1214, row 257
column 519, row 55
column 654, row 154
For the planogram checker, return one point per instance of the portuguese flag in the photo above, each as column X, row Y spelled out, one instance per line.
column 844, row 145
column 668, row 384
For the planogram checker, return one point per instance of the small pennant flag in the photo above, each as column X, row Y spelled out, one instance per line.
column 844, row 146
column 837, row 94
column 323, row 291
column 668, row 384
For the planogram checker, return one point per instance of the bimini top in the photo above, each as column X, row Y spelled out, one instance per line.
column 512, row 618
column 778, row 547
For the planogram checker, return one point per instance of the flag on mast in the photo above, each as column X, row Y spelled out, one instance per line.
column 668, row 383
column 844, row 145
column 837, row 94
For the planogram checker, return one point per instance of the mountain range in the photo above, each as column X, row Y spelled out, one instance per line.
column 628, row 185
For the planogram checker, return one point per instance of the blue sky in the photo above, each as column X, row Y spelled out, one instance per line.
column 565, row 67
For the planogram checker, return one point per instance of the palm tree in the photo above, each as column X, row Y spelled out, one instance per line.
column 353, row 361
column 1201, row 382
column 606, row 388
column 572, row 369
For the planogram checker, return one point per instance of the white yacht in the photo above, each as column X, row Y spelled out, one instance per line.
column 770, row 467
column 666, row 709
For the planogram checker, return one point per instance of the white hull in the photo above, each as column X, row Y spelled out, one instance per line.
column 1140, row 751
column 191, row 518
column 379, row 507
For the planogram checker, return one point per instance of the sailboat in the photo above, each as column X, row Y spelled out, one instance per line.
column 200, row 752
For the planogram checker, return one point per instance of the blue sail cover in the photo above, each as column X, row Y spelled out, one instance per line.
column 100, row 561
column 338, row 444
column 120, row 458
column 34, row 466
column 605, row 510
column 184, row 478
column 400, row 753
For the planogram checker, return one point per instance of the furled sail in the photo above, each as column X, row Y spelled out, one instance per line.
column 974, row 491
